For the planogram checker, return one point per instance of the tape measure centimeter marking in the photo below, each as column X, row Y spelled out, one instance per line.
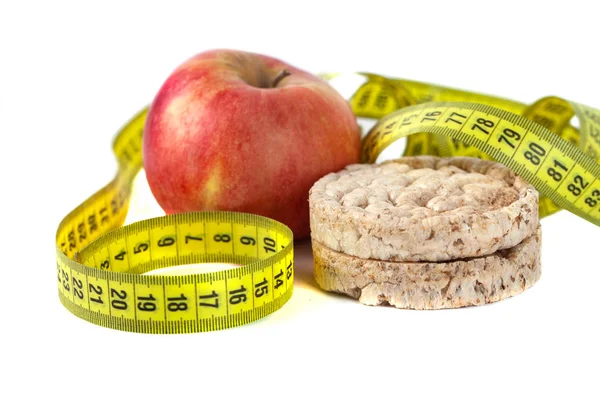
column 106, row 288
column 554, row 166
column 99, row 267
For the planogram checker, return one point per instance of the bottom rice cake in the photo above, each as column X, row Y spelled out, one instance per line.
column 430, row 285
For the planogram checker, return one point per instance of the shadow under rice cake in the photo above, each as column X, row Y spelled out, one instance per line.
column 425, row 232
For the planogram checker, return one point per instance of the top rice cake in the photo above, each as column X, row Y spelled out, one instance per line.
column 423, row 209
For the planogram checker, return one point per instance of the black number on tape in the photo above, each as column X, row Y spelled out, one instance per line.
column 557, row 176
column 452, row 116
column 140, row 248
column 177, row 303
column 510, row 134
column 407, row 121
column 269, row 244
column 190, row 237
column 65, row 280
column 278, row 280
column 121, row 255
column 166, row 241
column 238, row 296
column 77, row 286
column 118, row 303
column 594, row 199
column 261, row 288
column 577, row 186
column 485, row 122
column 225, row 238
column 247, row 240
column 98, row 291
column 431, row 116
column 213, row 296
column 146, row 303
column 288, row 273
column 536, row 152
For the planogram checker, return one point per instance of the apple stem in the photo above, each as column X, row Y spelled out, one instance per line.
column 280, row 77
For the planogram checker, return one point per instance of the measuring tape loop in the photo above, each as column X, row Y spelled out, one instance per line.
column 100, row 268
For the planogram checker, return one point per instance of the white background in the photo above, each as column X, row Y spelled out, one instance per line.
column 72, row 74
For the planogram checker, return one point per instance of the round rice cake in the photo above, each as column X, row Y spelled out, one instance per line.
column 430, row 285
column 422, row 209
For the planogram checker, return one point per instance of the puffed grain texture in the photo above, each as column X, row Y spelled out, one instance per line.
column 429, row 285
column 423, row 209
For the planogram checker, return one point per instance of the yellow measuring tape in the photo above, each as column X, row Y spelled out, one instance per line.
column 100, row 277
column 100, row 266
column 537, row 141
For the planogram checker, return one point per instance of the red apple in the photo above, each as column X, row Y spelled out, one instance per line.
column 231, row 130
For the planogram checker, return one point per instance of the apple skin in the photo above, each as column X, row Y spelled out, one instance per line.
column 218, row 136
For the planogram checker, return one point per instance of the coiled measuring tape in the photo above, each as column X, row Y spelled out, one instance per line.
column 100, row 266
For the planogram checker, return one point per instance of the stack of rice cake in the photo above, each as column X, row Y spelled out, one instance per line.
column 425, row 232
